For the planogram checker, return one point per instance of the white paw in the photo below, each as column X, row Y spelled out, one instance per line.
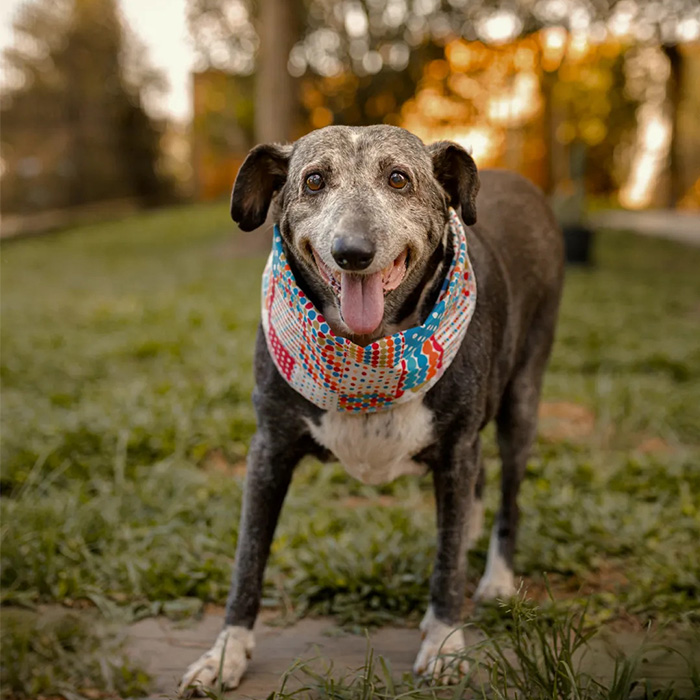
column 441, row 655
column 498, row 580
column 223, row 666
column 495, row 589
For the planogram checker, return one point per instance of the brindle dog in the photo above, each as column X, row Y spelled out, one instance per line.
column 363, row 215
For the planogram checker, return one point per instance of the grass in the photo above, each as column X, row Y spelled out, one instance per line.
column 533, row 657
column 64, row 654
column 126, row 377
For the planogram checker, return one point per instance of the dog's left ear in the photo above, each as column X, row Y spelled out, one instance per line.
column 264, row 172
column 455, row 170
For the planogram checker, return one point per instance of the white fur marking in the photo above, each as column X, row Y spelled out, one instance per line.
column 230, row 654
column 377, row 447
column 497, row 581
column 437, row 654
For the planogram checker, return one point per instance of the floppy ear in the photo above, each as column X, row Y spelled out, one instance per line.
column 455, row 170
column 263, row 173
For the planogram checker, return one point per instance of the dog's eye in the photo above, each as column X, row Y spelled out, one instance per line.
column 398, row 180
column 314, row 182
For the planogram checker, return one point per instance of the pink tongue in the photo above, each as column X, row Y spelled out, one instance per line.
column 362, row 301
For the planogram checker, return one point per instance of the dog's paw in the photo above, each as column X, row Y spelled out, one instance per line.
column 441, row 655
column 499, row 587
column 498, row 580
column 223, row 666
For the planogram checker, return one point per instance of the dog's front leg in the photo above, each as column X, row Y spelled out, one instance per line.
column 267, row 480
column 441, row 653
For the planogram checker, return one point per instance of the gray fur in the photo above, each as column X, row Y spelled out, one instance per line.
column 516, row 253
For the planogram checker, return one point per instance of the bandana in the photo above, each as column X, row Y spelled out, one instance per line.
column 334, row 373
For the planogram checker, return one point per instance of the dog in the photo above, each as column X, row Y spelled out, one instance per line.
column 367, row 220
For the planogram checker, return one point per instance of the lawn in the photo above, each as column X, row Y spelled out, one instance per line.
column 126, row 414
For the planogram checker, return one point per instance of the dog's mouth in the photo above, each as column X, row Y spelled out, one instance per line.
column 362, row 295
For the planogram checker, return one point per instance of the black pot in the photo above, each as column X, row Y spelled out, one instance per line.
column 578, row 244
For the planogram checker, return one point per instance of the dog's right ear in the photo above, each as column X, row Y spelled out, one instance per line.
column 264, row 172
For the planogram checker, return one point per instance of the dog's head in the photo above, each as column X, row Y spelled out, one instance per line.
column 363, row 214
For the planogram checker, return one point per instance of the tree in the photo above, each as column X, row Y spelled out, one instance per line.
column 364, row 58
column 74, row 127
column 275, row 101
column 229, row 37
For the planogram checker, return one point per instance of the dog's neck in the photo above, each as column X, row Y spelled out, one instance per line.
column 422, row 298
column 408, row 312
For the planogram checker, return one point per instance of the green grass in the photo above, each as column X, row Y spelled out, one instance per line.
column 64, row 654
column 126, row 378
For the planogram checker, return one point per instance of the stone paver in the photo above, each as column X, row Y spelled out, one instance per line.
column 166, row 648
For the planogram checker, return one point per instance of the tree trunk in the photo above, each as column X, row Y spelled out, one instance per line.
column 549, row 128
column 673, row 95
column 275, row 98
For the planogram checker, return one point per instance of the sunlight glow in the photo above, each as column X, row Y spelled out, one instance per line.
column 650, row 156
column 356, row 21
column 688, row 29
column 514, row 107
column 500, row 27
column 480, row 141
column 554, row 41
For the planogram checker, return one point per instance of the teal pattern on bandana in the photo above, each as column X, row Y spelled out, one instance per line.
column 334, row 373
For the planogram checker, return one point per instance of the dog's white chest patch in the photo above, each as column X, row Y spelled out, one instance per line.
column 377, row 447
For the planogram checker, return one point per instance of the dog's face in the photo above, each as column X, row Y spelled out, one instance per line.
column 362, row 211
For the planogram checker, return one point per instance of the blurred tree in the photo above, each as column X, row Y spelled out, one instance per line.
column 253, row 39
column 361, row 60
column 674, row 93
column 75, row 129
column 275, row 101
column 284, row 38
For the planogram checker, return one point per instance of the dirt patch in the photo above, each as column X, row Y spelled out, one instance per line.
column 606, row 577
column 564, row 420
column 654, row 445
column 216, row 462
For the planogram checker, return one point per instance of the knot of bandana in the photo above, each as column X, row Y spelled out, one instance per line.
column 334, row 373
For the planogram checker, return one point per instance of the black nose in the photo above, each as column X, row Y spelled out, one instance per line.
column 352, row 253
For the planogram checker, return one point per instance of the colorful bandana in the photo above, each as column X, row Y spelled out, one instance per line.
column 337, row 375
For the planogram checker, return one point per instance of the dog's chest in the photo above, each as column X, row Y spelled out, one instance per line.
column 377, row 447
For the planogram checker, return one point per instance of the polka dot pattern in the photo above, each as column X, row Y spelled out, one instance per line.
column 336, row 374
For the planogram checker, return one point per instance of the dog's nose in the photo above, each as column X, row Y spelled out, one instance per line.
column 352, row 253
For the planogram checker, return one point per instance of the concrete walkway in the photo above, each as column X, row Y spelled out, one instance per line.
column 165, row 649
column 682, row 226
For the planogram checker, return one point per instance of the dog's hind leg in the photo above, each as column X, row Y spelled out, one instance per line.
column 267, row 480
column 516, row 423
column 455, row 475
